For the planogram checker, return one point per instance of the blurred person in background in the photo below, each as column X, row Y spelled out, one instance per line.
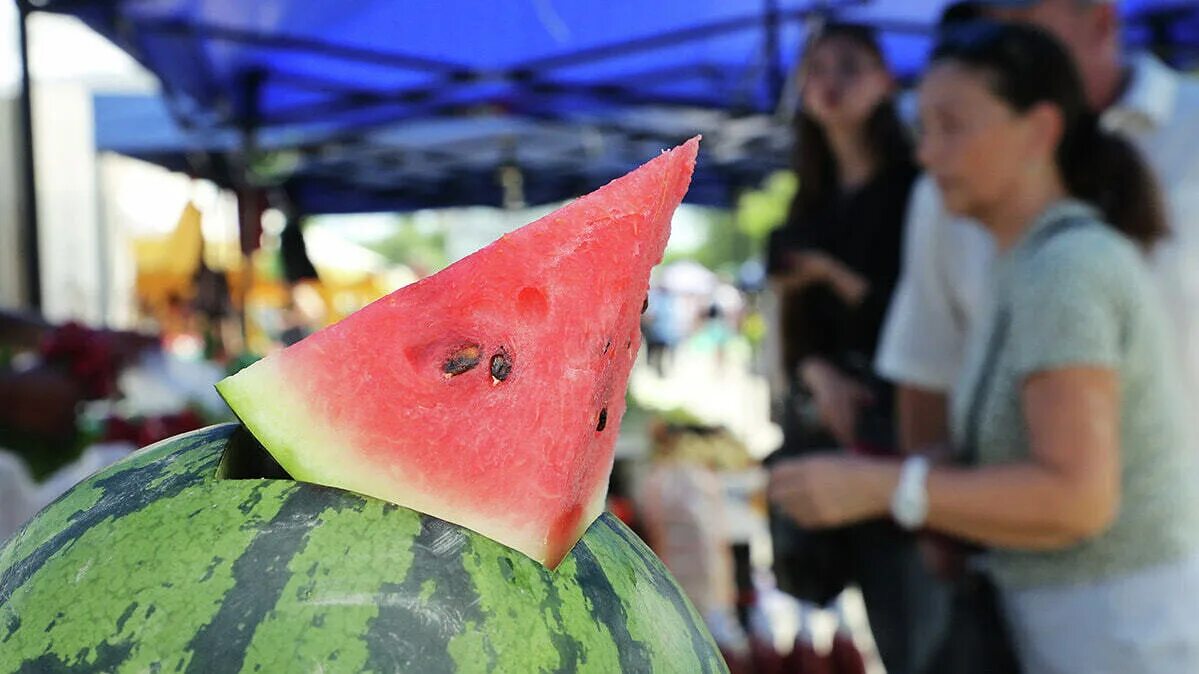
column 836, row 260
column 947, row 258
column 1071, row 461
column 833, row 267
column 680, row 502
column 660, row 325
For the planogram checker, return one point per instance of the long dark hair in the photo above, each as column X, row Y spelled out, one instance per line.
column 1024, row 66
column 814, row 161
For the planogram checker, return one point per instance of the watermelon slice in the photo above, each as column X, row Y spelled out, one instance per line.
column 489, row 394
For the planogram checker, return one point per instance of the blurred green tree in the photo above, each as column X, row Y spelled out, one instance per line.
column 734, row 236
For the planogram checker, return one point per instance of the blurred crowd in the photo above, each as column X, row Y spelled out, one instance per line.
column 984, row 336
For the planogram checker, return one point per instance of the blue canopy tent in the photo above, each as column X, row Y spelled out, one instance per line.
column 334, row 67
column 481, row 159
column 378, row 104
column 568, row 98
column 399, row 105
column 394, row 106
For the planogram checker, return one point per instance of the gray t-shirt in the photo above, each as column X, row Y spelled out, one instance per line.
column 1081, row 295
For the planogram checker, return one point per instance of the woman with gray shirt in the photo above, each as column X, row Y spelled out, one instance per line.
column 1070, row 465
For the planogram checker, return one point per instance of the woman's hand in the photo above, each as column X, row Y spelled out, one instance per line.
column 832, row 490
column 814, row 266
column 809, row 267
column 838, row 398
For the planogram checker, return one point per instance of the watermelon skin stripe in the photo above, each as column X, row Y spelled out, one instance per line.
column 222, row 642
column 326, row 599
column 668, row 589
column 155, row 565
column 611, row 612
column 407, row 630
column 107, row 659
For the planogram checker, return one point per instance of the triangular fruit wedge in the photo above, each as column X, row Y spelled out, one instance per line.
column 489, row 394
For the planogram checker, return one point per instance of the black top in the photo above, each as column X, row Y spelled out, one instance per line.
column 862, row 229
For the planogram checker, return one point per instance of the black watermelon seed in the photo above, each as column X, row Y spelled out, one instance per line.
column 464, row 359
column 645, row 304
column 501, row 366
column 607, row 345
column 603, row 420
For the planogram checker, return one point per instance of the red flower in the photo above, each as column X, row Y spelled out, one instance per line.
column 86, row 355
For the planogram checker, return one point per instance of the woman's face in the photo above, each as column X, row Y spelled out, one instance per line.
column 843, row 82
column 972, row 143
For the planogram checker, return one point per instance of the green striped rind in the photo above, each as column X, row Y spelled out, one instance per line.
column 154, row 565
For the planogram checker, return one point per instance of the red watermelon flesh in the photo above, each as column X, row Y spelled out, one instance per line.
column 489, row 394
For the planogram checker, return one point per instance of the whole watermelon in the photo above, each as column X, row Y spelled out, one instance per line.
column 160, row 564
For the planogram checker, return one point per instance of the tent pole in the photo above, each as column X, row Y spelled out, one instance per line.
column 249, row 208
column 770, row 44
column 29, row 229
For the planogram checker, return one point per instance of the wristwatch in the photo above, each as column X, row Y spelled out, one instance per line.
column 909, row 503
